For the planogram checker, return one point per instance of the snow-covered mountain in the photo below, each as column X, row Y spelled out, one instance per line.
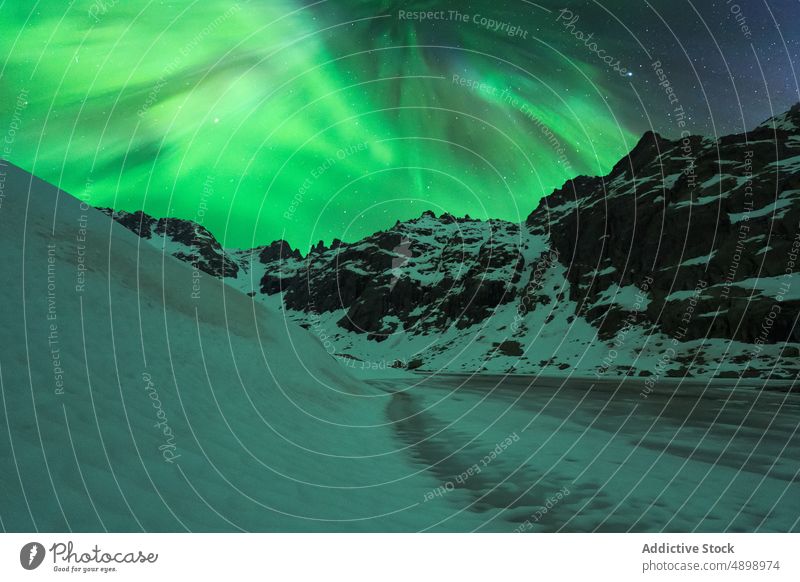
column 682, row 261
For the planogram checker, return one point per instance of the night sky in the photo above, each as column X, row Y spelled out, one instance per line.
column 312, row 121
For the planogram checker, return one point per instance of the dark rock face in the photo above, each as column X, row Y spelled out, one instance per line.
column 426, row 274
column 137, row 222
column 183, row 239
column 276, row 251
column 685, row 215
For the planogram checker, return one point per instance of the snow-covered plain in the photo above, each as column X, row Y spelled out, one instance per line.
column 717, row 456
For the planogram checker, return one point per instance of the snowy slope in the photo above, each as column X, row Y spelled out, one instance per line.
column 139, row 394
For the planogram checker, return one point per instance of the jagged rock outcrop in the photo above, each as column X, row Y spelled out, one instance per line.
column 424, row 273
column 183, row 239
column 718, row 216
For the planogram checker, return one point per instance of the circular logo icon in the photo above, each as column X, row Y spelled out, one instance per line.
column 31, row 555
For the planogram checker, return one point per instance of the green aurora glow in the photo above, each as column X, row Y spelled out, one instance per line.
column 276, row 120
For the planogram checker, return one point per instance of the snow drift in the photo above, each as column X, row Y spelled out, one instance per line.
column 142, row 394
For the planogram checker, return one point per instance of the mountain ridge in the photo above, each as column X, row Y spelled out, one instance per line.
column 689, row 240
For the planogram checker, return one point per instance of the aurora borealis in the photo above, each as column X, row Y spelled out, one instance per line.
column 313, row 121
